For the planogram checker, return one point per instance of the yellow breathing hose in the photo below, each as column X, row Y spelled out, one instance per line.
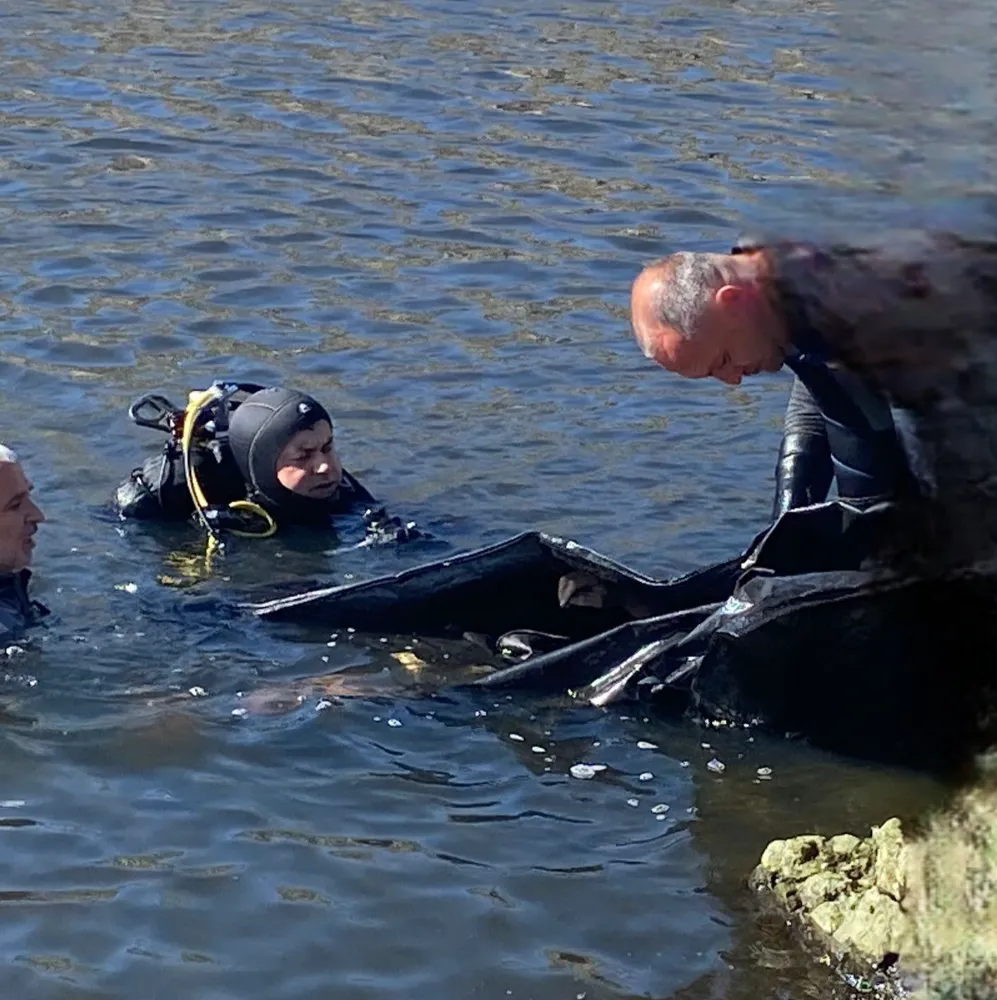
column 197, row 402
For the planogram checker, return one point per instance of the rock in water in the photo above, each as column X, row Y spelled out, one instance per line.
column 889, row 860
column 925, row 907
column 843, row 892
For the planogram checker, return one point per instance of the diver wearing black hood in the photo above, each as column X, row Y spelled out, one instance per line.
column 260, row 430
column 242, row 451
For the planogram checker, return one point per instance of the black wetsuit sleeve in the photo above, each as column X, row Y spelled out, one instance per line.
column 804, row 471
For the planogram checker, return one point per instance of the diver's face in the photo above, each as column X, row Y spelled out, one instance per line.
column 19, row 519
column 308, row 465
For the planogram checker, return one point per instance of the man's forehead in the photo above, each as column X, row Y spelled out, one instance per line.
column 644, row 292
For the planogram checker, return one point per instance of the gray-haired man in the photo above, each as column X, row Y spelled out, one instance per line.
column 19, row 520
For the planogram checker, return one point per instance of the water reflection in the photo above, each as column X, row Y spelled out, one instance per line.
column 427, row 214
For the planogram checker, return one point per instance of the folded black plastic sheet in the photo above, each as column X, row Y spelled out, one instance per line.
column 900, row 671
column 513, row 586
column 802, row 632
column 817, row 638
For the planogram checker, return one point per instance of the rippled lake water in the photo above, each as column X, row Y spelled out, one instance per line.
column 428, row 214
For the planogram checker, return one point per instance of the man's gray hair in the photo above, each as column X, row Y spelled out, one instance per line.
column 680, row 301
column 8, row 455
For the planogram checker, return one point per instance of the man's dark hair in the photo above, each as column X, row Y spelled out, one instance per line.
column 679, row 301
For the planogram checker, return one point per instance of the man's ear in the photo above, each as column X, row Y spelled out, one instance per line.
column 728, row 295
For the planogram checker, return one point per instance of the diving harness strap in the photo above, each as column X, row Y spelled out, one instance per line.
column 158, row 412
column 212, row 518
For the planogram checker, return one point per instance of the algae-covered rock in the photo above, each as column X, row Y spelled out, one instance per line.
column 820, row 888
column 923, row 909
column 794, row 859
column 845, row 892
column 843, row 845
column 890, row 855
column 828, row 916
column 874, row 927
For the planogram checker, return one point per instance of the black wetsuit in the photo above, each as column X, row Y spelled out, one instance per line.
column 803, row 472
column 837, row 426
column 836, row 429
column 911, row 316
column 157, row 491
column 244, row 468
column 17, row 610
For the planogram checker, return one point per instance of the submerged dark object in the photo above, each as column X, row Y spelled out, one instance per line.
column 803, row 632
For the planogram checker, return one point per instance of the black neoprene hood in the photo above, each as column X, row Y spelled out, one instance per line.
column 258, row 430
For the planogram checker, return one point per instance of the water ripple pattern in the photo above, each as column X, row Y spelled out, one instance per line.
column 427, row 213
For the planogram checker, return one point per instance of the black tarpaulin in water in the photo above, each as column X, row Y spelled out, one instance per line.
column 799, row 633
column 886, row 668
column 511, row 586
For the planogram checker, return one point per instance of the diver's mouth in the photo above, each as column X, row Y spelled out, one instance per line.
column 324, row 489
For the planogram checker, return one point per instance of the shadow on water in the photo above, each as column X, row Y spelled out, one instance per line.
column 428, row 214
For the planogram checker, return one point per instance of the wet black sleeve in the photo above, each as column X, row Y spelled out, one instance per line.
column 803, row 472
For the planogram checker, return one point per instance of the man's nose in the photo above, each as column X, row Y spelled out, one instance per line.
column 35, row 514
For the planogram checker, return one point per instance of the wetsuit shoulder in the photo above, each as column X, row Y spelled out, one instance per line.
column 17, row 609
column 907, row 310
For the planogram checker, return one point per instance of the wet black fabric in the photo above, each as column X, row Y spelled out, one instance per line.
column 804, row 631
column 511, row 585
column 803, row 471
column 890, row 669
column 18, row 610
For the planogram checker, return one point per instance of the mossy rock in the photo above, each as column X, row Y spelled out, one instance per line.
column 843, row 894
column 924, row 909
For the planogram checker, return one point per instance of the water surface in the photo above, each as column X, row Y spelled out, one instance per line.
column 428, row 214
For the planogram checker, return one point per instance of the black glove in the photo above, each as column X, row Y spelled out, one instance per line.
column 382, row 529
